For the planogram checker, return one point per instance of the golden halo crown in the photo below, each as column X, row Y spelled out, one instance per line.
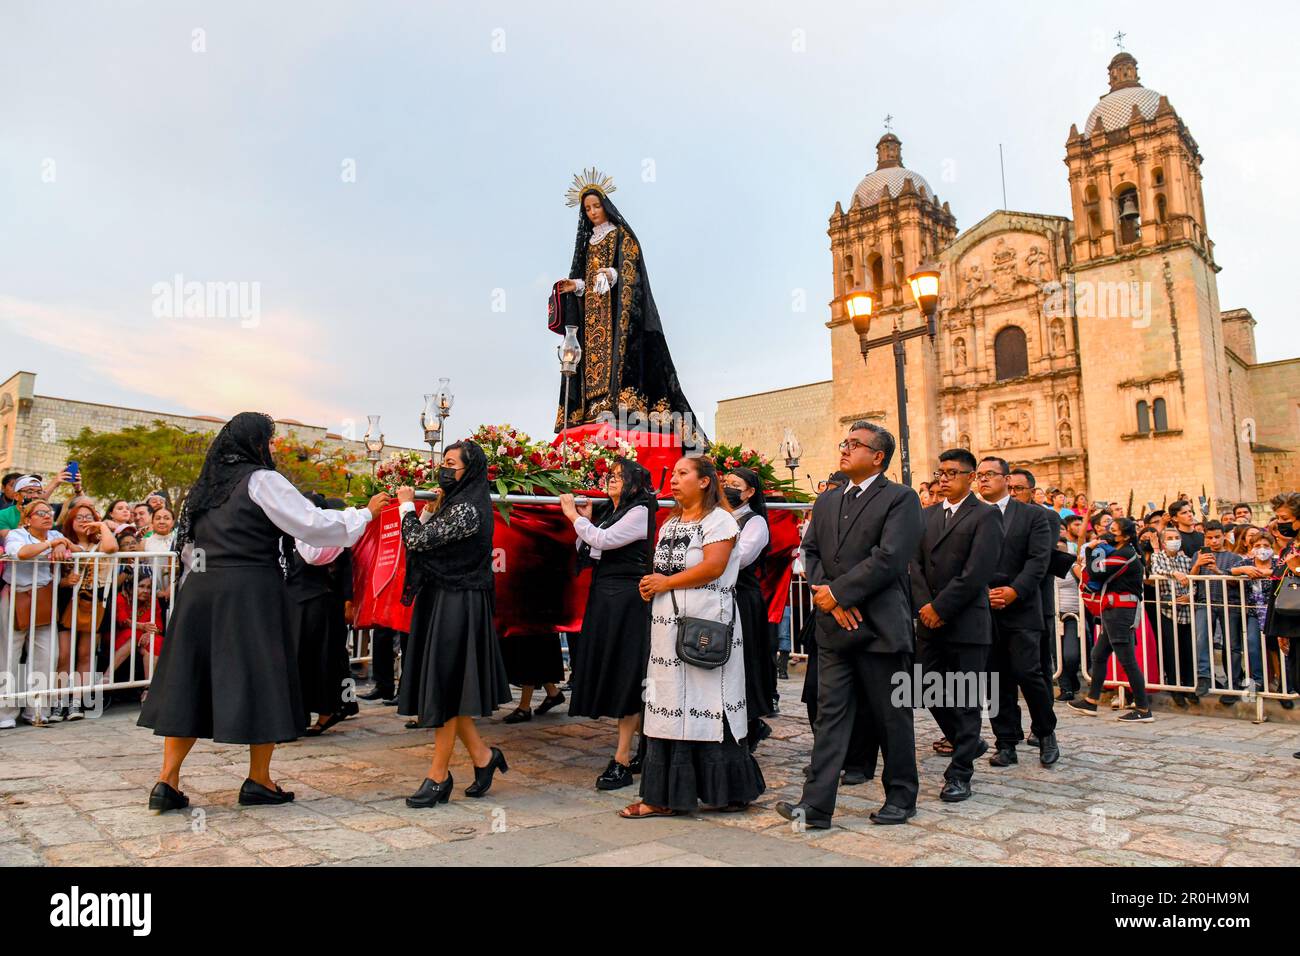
column 587, row 181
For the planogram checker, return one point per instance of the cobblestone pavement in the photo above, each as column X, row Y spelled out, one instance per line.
column 1181, row 790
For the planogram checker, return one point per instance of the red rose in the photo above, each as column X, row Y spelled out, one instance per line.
column 493, row 472
column 601, row 466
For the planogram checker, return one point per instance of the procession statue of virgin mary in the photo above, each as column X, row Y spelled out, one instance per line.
column 626, row 373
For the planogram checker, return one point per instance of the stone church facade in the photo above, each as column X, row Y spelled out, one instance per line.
column 1090, row 348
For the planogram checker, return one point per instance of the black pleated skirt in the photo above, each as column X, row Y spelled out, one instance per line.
column 760, row 662
column 682, row 774
column 533, row 660
column 453, row 665
column 615, row 642
column 228, row 671
column 320, row 635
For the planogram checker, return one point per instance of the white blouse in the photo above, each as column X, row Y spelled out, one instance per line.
column 631, row 527
column 293, row 514
column 754, row 536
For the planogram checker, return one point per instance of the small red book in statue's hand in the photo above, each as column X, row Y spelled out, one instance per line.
column 561, row 310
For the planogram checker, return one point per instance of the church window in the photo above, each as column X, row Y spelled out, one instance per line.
column 1144, row 418
column 1092, row 208
column 1160, row 414
column 1161, row 208
column 1158, row 176
column 1011, row 353
column 877, row 273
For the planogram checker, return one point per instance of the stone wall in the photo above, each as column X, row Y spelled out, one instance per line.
column 759, row 422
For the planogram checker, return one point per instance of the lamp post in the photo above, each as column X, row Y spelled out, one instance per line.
column 859, row 305
column 442, row 400
column 570, row 354
column 793, row 451
column 374, row 439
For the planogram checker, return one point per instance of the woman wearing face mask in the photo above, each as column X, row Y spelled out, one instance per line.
column 1283, row 627
column 1119, row 571
column 742, row 496
column 453, row 671
column 1171, row 566
column 615, row 639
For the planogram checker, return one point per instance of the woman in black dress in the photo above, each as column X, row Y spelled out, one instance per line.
column 227, row 671
column 453, row 671
column 615, row 633
column 320, row 583
column 742, row 493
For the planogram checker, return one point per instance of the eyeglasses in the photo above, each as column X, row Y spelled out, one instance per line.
column 1016, row 489
column 984, row 475
column 42, row 514
column 852, row 443
column 951, row 473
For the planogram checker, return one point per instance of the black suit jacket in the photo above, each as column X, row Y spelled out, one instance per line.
column 1022, row 565
column 864, row 559
column 954, row 564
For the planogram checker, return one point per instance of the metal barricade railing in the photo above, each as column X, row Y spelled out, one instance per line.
column 1222, row 627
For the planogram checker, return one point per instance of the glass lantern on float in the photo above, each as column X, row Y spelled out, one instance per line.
column 569, row 353
column 432, row 421
column 374, row 442
column 793, row 451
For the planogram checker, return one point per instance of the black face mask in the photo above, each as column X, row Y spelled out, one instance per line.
column 446, row 478
column 1286, row 529
column 733, row 496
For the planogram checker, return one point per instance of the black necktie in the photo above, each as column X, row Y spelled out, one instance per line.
column 850, row 496
column 947, row 515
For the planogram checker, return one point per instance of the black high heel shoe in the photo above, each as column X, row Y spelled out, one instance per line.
column 483, row 775
column 164, row 797
column 430, row 793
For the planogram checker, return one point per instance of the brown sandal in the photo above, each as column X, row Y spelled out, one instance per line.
column 943, row 747
column 641, row 810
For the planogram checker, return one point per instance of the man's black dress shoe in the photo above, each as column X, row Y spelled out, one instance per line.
column 802, row 813
column 889, row 815
column 1032, row 741
column 634, row 765
column 615, row 777
column 982, row 749
column 164, row 797
column 389, row 701
column 955, row 791
column 253, row 794
column 851, row 778
column 1049, row 751
column 483, row 775
column 374, row 694
column 430, row 794
column 1005, row 757
column 550, row 702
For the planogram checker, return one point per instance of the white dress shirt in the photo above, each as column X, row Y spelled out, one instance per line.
column 1002, row 504
column 953, row 508
column 861, row 485
column 631, row 527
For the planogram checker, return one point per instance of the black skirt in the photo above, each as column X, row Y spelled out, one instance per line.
column 760, row 663
column 227, row 669
column 452, row 666
column 320, row 635
column 615, row 642
column 533, row 660
column 682, row 774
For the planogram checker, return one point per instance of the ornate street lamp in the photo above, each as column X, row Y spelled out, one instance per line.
column 793, row 451
column 431, row 420
column 925, row 290
column 374, row 440
column 569, row 353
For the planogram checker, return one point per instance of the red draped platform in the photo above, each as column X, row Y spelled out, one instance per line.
column 538, row 588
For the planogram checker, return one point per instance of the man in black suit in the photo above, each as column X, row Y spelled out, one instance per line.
column 1018, row 619
column 857, row 550
column 1021, row 484
column 960, row 543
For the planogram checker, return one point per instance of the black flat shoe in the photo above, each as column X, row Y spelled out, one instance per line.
column 253, row 794
column 955, row 791
column 164, row 797
column 518, row 716
column 889, row 815
column 374, row 694
column 1005, row 757
column 315, row 730
column 1049, row 750
column 634, row 765
column 616, row 777
column 412, row 724
column 483, row 775
column 852, row 778
column 430, row 794
column 551, row 703
column 804, row 814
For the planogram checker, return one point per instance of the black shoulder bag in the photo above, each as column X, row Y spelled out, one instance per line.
column 701, row 642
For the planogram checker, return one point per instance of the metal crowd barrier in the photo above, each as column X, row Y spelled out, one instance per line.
column 1222, row 626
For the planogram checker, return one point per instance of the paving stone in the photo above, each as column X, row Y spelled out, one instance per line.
column 101, row 853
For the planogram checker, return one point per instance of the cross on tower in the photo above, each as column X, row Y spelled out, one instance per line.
column 889, row 121
column 1119, row 39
